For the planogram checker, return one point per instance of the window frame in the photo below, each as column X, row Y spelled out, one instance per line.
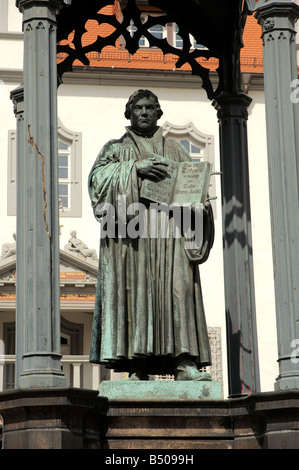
column 175, row 28
column 144, row 16
column 169, row 32
column 74, row 140
column 62, row 180
column 3, row 16
column 199, row 139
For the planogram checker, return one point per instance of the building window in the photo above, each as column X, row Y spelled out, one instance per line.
column 133, row 30
column 170, row 31
column 157, row 30
column 196, row 45
column 64, row 173
column 200, row 146
column 69, row 172
column 9, row 333
column 178, row 41
column 3, row 16
column 195, row 152
column 215, row 370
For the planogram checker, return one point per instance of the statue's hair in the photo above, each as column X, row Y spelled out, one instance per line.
column 137, row 95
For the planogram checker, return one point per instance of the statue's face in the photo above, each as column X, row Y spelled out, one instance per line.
column 144, row 115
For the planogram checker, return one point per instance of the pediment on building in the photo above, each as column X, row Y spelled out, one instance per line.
column 8, row 270
column 73, row 270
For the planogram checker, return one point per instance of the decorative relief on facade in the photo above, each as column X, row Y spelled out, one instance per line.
column 8, row 277
column 9, row 249
column 78, row 248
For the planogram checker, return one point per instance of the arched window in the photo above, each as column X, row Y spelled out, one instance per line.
column 158, row 31
column 69, row 167
column 69, row 171
column 178, row 41
column 200, row 146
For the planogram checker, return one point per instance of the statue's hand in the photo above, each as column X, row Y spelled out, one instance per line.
column 152, row 168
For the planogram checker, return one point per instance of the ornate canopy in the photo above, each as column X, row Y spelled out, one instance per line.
column 215, row 24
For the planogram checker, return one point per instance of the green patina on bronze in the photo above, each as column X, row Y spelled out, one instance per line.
column 160, row 390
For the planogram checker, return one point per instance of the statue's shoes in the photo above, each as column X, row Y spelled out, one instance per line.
column 190, row 372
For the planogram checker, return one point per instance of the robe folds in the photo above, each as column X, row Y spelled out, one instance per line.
column 149, row 307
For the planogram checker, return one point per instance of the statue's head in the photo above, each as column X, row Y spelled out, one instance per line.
column 142, row 94
column 144, row 110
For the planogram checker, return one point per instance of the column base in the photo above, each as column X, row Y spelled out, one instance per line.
column 286, row 383
column 37, row 379
column 42, row 369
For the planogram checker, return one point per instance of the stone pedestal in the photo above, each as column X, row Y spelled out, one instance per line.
column 160, row 390
column 69, row 418
column 259, row 421
column 57, row 418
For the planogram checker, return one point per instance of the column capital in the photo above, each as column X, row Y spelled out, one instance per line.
column 232, row 105
column 17, row 97
column 17, row 94
column 264, row 9
column 21, row 4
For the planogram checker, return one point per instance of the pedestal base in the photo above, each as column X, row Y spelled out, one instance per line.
column 57, row 418
column 160, row 390
column 259, row 421
column 81, row 419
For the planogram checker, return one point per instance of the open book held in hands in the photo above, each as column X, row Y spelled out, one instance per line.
column 185, row 183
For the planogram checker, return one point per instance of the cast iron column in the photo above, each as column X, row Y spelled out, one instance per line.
column 277, row 19
column 38, row 226
column 243, row 366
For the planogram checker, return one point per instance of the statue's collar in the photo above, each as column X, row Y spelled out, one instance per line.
column 156, row 132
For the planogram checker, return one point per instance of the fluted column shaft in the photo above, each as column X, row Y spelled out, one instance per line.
column 38, row 287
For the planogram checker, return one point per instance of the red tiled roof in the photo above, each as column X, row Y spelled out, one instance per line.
column 118, row 57
column 252, row 52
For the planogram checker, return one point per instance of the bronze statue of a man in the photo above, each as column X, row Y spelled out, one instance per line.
column 149, row 316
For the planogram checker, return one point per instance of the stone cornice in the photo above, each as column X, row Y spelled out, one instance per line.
column 130, row 77
column 12, row 35
column 155, row 78
column 274, row 6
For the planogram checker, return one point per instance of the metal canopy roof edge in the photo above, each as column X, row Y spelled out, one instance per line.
column 216, row 24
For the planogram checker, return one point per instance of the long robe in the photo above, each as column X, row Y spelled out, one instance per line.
column 149, row 307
